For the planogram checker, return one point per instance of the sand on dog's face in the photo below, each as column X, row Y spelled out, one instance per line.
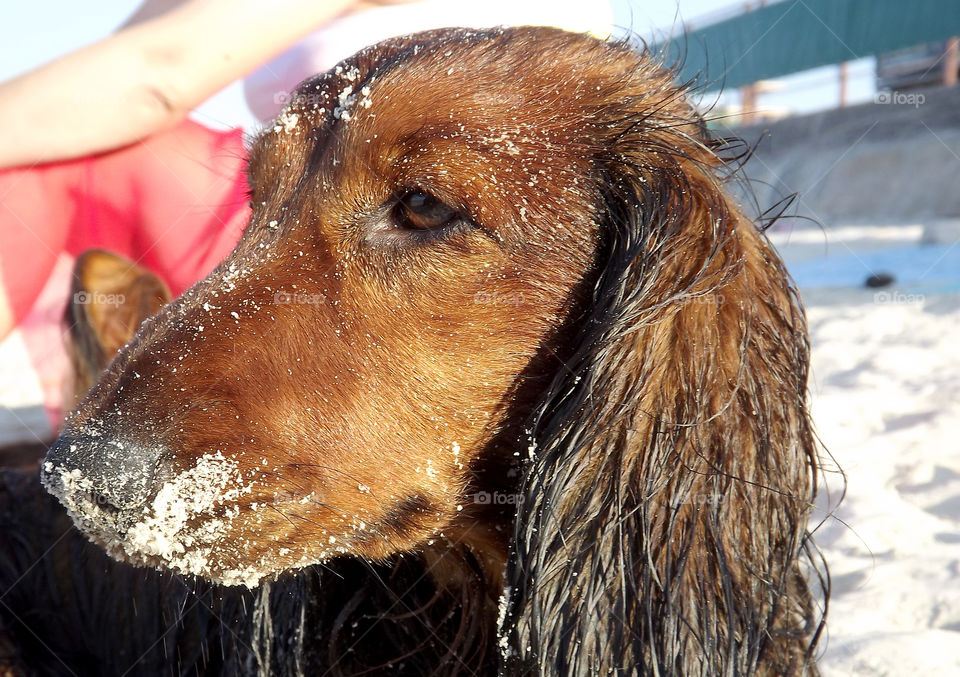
column 181, row 528
column 191, row 524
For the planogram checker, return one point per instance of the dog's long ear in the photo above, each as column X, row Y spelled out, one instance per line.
column 109, row 298
column 663, row 525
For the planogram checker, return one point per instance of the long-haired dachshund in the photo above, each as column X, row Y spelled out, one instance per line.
column 498, row 379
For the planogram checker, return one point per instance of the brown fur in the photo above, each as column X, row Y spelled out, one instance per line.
column 606, row 338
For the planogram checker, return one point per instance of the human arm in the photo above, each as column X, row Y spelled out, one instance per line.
column 147, row 76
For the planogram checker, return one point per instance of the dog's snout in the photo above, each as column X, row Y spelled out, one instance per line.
column 119, row 475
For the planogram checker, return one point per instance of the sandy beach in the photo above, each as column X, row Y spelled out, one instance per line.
column 886, row 403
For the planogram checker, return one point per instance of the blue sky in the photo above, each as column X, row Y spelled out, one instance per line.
column 28, row 38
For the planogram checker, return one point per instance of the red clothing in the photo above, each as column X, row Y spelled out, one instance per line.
column 175, row 203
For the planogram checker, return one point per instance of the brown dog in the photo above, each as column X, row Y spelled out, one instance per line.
column 493, row 314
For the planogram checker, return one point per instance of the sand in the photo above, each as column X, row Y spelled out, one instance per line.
column 886, row 402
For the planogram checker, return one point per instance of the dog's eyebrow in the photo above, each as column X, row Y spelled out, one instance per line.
column 372, row 64
column 322, row 138
column 369, row 65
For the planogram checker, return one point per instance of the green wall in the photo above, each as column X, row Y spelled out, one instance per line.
column 794, row 35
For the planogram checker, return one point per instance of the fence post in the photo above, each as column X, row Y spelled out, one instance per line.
column 951, row 61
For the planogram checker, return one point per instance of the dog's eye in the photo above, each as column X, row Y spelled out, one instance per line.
column 421, row 211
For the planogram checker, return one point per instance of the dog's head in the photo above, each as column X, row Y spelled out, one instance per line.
column 421, row 216
column 477, row 262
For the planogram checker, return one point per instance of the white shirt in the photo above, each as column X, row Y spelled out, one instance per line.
column 267, row 89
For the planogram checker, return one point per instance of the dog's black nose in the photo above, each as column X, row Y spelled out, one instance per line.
column 115, row 473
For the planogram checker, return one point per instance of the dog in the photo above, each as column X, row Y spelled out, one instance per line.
column 499, row 380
